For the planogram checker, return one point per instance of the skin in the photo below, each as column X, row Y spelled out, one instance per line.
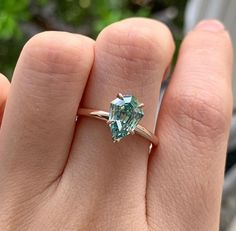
column 56, row 174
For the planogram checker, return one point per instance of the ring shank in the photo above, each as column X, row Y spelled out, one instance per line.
column 102, row 115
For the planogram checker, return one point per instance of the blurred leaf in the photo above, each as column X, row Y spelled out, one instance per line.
column 12, row 12
column 7, row 27
column 91, row 15
column 42, row 2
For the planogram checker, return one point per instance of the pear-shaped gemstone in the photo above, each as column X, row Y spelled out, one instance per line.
column 125, row 114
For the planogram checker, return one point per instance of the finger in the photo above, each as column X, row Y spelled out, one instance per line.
column 4, row 88
column 131, row 56
column 186, row 170
column 40, row 113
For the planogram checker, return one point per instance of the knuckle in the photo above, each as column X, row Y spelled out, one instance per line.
column 203, row 115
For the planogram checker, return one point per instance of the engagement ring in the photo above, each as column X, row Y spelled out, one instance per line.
column 123, row 118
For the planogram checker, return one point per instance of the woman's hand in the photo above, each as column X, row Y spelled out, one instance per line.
column 59, row 175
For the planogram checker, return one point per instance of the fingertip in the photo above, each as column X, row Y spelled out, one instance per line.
column 148, row 35
column 215, row 28
column 54, row 52
column 215, row 44
column 211, row 25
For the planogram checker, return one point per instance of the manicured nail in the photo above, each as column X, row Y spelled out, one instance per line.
column 210, row 25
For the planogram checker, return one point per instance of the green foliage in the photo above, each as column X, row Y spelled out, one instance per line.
column 11, row 13
column 97, row 14
column 86, row 16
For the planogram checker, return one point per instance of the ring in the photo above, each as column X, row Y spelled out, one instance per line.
column 123, row 118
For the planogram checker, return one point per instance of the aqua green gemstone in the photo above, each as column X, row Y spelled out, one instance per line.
column 124, row 116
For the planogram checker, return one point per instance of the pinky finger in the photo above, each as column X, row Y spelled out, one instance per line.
column 4, row 89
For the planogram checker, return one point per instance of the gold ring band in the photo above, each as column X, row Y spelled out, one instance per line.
column 102, row 115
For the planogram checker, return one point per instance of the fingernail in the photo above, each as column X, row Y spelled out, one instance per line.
column 210, row 25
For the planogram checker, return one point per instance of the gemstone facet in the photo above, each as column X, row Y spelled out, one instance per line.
column 125, row 114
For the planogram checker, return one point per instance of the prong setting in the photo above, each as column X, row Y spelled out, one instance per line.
column 141, row 105
column 120, row 96
column 116, row 141
column 76, row 118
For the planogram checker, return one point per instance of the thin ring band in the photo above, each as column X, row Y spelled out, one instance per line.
column 102, row 115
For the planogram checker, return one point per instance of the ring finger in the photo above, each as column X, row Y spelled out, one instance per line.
column 131, row 57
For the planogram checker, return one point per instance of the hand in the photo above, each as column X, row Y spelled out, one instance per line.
column 59, row 175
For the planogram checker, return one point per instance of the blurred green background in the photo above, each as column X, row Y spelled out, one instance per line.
column 21, row 19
